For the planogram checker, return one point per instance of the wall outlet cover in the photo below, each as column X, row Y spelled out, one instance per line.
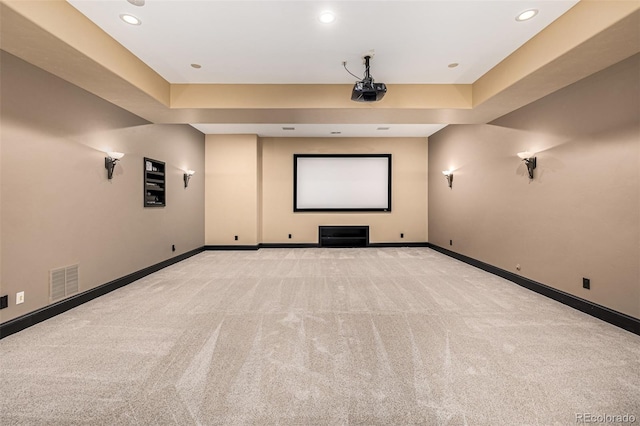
column 19, row 297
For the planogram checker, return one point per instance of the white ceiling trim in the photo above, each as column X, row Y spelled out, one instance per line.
column 322, row 130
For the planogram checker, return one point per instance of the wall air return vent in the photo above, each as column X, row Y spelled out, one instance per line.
column 63, row 282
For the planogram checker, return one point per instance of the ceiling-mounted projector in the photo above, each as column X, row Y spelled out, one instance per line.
column 367, row 90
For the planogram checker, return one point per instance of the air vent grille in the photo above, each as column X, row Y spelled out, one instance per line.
column 57, row 284
column 63, row 282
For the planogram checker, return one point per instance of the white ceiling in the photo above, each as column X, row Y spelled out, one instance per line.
column 283, row 42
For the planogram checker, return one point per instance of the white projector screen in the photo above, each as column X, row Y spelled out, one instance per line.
column 341, row 182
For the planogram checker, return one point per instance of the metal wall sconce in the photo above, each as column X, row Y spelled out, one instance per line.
column 110, row 162
column 449, row 175
column 187, row 176
column 529, row 159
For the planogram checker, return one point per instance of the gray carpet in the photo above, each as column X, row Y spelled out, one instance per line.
column 320, row 337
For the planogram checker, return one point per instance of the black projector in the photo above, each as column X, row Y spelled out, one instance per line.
column 368, row 91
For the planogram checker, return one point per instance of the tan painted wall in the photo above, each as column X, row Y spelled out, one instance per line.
column 409, row 188
column 58, row 208
column 316, row 96
column 232, row 182
column 579, row 217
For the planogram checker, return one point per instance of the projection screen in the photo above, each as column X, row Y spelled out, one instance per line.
column 341, row 182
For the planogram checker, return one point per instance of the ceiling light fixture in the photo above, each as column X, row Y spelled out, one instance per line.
column 526, row 15
column 136, row 2
column 453, row 65
column 196, row 66
column 327, row 17
column 130, row 19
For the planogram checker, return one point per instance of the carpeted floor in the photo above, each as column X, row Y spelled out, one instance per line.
column 320, row 337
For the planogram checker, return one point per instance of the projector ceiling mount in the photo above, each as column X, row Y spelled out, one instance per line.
column 366, row 90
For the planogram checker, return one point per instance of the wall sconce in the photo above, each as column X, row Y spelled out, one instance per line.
column 529, row 159
column 110, row 162
column 187, row 176
column 449, row 175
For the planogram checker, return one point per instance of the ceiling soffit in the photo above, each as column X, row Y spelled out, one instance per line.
column 589, row 37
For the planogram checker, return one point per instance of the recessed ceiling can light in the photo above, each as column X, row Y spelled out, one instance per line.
column 130, row 19
column 526, row 15
column 327, row 17
column 136, row 2
column 453, row 65
column 196, row 66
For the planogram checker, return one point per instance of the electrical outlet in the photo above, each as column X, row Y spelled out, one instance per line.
column 289, row 236
column 235, row 237
column 173, row 247
column 19, row 297
column 401, row 235
column 450, row 242
column 518, row 267
column 586, row 283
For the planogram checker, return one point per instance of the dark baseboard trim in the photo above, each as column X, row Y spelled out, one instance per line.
column 398, row 245
column 288, row 245
column 17, row 324
column 616, row 318
column 305, row 245
column 232, row 247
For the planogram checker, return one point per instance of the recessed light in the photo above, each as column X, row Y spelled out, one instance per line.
column 382, row 128
column 130, row 19
column 196, row 66
column 288, row 128
column 136, row 2
column 327, row 17
column 453, row 65
column 526, row 15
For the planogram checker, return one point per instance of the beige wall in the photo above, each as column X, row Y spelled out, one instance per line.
column 59, row 209
column 249, row 190
column 579, row 217
column 232, row 195
column 409, row 188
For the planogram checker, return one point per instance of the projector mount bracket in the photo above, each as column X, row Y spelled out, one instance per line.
column 366, row 90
